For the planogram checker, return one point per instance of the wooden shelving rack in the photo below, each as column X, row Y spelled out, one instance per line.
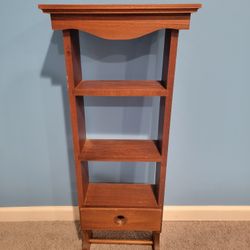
column 107, row 206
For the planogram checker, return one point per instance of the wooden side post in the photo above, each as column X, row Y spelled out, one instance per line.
column 74, row 76
column 168, row 72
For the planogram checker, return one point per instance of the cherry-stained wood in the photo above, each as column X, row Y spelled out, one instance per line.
column 74, row 75
column 120, row 27
column 127, row 242
column 120, row 22
column 123, row 9
column 120, row 150
column 156, row 241
column 86, row 242
column 120, row 195
column 120, row 88
column 169, row 61
column 135, row 219
column 110, row 206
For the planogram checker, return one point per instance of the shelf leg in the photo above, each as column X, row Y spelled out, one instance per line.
column 168, row 72
column 156, row 241
column 85, row 240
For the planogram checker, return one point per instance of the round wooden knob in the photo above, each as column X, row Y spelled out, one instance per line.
column 120, row 220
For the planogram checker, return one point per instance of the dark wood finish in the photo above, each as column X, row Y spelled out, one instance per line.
column 87, row 235
column 127, row 242
column 137, row 219
column 120, row 27
column 103, row 206
column 74, row 75
column 169, row 61
column 156, row 241
column 120, row 150
column 120, row 195
column 120, row 88
column 107, row 9
column 120, row 22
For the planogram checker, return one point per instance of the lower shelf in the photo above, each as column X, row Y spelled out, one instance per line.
column 110, row 206
column 120, row 195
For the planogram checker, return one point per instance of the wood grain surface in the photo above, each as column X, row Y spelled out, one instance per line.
column 120, row 88
column 120, row 22
column 137, row 219
column 118, row 8
column 120, row 150
column 120, row 195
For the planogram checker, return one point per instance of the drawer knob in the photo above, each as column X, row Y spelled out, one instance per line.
column 120, row 220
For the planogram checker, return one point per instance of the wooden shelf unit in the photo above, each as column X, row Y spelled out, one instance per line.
column 116, row 206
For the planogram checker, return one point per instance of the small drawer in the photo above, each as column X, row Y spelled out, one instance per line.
column 137, row 219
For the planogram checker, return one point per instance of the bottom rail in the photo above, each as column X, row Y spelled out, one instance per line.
column 128, row 242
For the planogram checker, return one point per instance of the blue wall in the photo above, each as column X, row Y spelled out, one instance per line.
column 209, row 158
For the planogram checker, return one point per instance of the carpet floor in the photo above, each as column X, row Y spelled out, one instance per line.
column 175, row 236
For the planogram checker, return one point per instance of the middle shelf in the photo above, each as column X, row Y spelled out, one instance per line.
column 120, row 88
column 119, row 150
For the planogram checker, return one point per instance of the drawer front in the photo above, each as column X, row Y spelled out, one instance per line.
column 121, row 219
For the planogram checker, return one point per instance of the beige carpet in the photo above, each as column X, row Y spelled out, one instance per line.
column 175, row 236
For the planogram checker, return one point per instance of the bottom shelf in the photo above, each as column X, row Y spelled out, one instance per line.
column 120, row 195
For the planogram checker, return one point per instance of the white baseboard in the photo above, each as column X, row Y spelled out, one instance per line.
column 171, row 213
column 206, row 213
column 43, row 213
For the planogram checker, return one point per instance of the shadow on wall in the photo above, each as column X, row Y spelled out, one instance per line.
column 104, row 59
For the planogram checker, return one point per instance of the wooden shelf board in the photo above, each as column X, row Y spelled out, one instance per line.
column 120, row 88
column 120, row 195
column 119, row 150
